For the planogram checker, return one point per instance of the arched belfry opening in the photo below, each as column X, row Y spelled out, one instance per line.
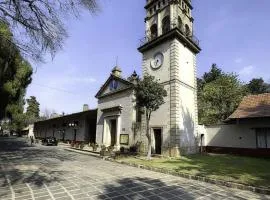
column 180, row 23
column 154, row 31
column 166, row 24
column 188, row 31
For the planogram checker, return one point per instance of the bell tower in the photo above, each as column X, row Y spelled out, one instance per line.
column 169, row 51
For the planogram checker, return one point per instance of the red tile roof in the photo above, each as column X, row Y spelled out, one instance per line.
column 253, row 106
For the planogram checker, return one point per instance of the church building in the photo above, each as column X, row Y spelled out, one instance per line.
column 169, row 51
column 117, row 111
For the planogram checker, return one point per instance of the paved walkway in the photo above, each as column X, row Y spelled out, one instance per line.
column 43, row 173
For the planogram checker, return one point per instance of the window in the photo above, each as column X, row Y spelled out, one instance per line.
column 113, row 85
column 166, row 24
column 180, row 23
column 153, row 30
column 263, row 137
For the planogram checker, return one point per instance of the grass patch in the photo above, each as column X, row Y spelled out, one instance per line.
column 245, row 170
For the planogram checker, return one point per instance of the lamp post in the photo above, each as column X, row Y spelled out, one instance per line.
column 74, row 125
column 64, row 131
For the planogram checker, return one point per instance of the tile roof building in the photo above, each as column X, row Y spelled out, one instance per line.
column 247, row 130
column 253, row 106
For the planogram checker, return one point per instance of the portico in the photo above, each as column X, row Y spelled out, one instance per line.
column 112, row 126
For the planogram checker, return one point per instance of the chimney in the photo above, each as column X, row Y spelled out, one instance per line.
column 85, row 107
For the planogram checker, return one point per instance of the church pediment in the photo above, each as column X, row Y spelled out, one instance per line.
column 112, row 85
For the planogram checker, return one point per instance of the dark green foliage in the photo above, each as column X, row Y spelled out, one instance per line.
column 213, row 74
column 15, row 76
column 257, row 86
column 32, row 110
column 219, row 94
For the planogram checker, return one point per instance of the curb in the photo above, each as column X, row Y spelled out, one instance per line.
column 179, row 174
column 83, row 152
column 198, row 178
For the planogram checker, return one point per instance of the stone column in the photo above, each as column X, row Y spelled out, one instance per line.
column 118, row 131
column 105, row 133
column 174, row 101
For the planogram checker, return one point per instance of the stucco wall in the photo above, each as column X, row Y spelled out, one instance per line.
column 187, row 65
column 84, row 131
column 163, row 73
column 187, row 119
column 127, row 101
column 237, row 136
column 46, row 130
column 161, row 119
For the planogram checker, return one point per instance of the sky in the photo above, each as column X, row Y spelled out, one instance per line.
column 233, row 34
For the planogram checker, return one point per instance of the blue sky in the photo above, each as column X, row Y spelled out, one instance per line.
column 233, row 34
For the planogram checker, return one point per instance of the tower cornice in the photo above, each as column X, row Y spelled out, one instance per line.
column 173, row 33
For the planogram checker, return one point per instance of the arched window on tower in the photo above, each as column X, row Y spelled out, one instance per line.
column 180, row 24
column 153, row 31
column 188, row 32
column 166, row 24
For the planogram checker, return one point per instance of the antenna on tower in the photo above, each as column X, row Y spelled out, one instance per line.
column 116, row 61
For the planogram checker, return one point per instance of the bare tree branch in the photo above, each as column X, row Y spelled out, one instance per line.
column 38, row 25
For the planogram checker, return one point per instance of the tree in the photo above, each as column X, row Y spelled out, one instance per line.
column 257, row 86
column 150, row 96
column 38, row 25
column 19, row 119
column 15, row 76
column 219, row 94
column 222, row 97
column 32, row 110
column 213, row 74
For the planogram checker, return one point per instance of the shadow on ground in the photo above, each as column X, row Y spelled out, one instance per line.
column 147, row 188
column 22, row 163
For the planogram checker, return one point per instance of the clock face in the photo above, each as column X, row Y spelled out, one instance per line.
column 157, row 61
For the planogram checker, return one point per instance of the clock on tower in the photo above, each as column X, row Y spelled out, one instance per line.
column 169, row 51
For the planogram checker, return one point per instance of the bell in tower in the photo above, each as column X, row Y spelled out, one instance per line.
column 166, row 16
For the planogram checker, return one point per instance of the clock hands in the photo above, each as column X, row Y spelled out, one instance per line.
column 157, row 61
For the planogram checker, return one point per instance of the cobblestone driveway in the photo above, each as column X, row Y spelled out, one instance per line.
column 43, row 173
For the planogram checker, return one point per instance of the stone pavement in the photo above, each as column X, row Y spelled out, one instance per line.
column 43, row 173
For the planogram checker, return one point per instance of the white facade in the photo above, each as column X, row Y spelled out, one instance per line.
column 59, row 127
column 174, row 41
column 116, row 113
column 233, row 135
column 124, row 114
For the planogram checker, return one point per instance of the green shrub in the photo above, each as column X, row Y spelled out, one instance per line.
column 77, row 145
column 82, row 145
column 72, row 144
